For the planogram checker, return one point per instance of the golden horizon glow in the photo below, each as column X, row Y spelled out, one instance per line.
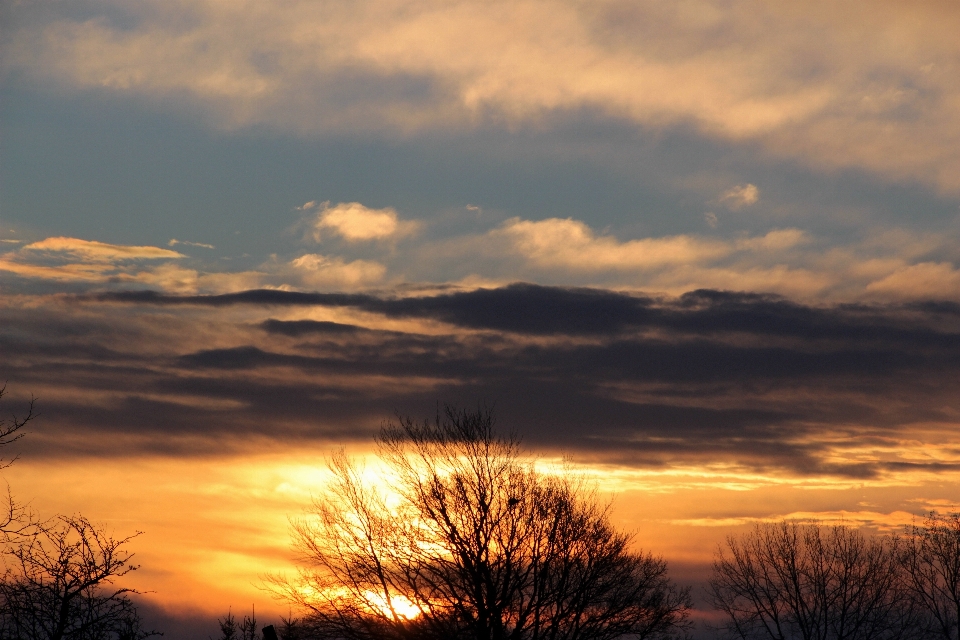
column 214, row 527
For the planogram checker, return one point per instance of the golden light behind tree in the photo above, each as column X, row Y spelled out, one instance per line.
column 470, row 540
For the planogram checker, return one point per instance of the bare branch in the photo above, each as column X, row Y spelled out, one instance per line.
column 10, row 430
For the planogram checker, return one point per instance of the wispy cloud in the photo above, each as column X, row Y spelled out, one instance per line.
column 888, row 522
column 885, row 265
column 804, row 83
column 99, row 251
column 571, row 243
column 72, row 260
column 740, row 196
column 786, row 261
column 174, row 242
column 75, row 260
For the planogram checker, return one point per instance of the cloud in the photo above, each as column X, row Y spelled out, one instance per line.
column 773, row 241
column 927, row 280
column 356, row 223
column 71, row 260
column 317, row 270
column 99, row 251
column 894, row 522
column 882, row 265
column 740, row 196
column 175, row 279
column 755, row 383
column 174, row 242
column 97, row 272
column 569, row 243
column 885, row 265
column 804, row 82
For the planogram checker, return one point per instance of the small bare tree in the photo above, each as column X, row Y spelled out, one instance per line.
column 932, row 566
column 59, row 585
column 791, row 581
column 58, row 575
column 473, row 542
column 14, row 518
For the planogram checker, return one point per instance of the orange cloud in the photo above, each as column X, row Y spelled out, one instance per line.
column 569, row 243
column 937, row 280
column 92, row 250
column 330, row 271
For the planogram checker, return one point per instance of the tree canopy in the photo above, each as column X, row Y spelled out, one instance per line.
column 471, row 541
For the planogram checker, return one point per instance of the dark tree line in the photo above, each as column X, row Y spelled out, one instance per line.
column 794, row 581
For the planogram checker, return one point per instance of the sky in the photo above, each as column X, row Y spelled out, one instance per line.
column 708, row 251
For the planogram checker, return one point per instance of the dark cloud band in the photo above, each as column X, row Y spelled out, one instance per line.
column 737, row 377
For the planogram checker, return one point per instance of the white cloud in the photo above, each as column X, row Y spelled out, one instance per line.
column 740, row 196
column 356, row 223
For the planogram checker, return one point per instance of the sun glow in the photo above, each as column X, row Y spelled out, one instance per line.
column 397, row 607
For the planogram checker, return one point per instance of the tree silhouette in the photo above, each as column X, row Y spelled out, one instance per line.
column 14, row 518
column 791, row 581
column 932, row 567
column 471, row 541
column 59, row 585
column 58, row 579
column 245, row 629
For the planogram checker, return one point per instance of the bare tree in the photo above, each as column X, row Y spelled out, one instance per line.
column 472, row 542
column 59, row 585
column 14, row 518
column 791, row 581
column 932, row 566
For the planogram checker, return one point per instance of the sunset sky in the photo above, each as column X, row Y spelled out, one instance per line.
column 707, row 250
